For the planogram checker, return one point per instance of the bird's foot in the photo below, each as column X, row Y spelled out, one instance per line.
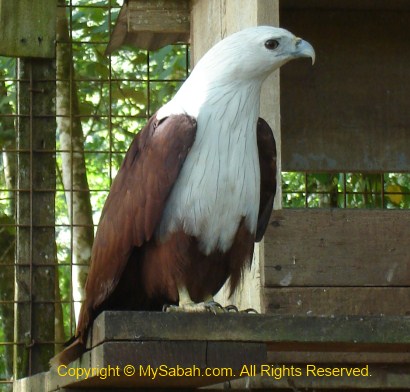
column 192, row 307
column 231, row 309
column 234, row 309
column 205, row 307
column 249, row 311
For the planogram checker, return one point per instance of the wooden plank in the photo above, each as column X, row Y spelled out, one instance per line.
column 28, row 28
column 338, row 301
column 337, row 357
column 340, row 247
column 150, row 25
column 227, row 341
column 159, row 364
column 240, row 327
column 383, row 377
column 367, row 5
column 350, row 111
column 34, row 310
column 162, row 16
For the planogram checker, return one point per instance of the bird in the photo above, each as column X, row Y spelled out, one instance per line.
column 195, row 190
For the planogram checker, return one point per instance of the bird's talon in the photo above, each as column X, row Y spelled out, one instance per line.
column 231, row 308
column 213, row 307
column 250, row 310
column 167, row 308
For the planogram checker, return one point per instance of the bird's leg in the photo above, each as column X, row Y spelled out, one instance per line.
column 187, row 305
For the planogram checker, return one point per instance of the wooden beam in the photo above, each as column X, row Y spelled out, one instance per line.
column 34, row 317
column 270, row 329
column 223, row 341
column 148, row 24
column 28, row 28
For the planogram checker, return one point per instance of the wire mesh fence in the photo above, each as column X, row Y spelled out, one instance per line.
column 100, row 103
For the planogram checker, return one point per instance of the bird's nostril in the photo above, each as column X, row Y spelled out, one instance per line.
column 298, row 41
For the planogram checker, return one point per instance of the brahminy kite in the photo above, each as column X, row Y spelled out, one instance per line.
column 195, row 190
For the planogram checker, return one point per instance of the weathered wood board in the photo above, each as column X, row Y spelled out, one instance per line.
column 383, row 377
column 241, row 327
column 337, row 301
column 338, row 357
column 229, row 341
column 28, row 28
column 349, row 112
column 337, row 247
column 346, row 4
column 151, row 24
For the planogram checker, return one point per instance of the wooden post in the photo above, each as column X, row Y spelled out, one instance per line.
column 35, row 272
column 211, row 21
column 27, row 28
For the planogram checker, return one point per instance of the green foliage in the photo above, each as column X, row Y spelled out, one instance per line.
column 346, row 190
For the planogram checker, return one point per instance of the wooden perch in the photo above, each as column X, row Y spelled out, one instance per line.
column 147, row 340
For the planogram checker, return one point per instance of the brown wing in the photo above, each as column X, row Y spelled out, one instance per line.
column 135, row 204
column 267, row 162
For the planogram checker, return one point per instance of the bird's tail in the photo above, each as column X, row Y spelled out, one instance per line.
column 69, row 354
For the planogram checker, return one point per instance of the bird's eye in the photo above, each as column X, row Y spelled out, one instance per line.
column 271, row 44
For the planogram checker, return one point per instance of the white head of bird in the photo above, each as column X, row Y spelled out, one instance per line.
column 244, row 58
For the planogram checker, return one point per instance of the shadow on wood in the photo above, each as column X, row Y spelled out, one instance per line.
column 162, row 350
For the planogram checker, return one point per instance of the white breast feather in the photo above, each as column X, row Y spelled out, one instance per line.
column 219, row 183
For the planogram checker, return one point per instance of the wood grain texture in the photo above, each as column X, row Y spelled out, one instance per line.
column 312, row 247
column 337, row 357
column 383, row 377
column 338, row 301
column 271, row 329
column 229, row 341
column 350, row 111
column 27, row 28
column 151, row 24
column 165, row 16
column 146, row 355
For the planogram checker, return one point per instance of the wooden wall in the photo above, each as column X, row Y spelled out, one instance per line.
column 350, row 111
column 337, row 262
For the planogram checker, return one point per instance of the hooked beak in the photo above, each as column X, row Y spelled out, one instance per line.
column 304, row 49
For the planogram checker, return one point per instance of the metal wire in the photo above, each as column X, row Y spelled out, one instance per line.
column 112, row 152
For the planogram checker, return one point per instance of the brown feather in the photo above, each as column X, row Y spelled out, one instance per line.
column 154, row 271
column 267, row 163
column 131, row 213
column 69, row 354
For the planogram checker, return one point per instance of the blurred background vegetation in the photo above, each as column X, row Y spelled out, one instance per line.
column 109, row 100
